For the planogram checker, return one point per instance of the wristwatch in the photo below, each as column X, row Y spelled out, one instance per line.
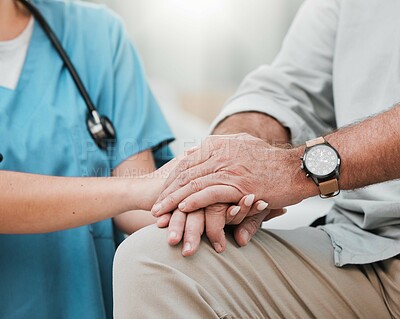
column 321, row 162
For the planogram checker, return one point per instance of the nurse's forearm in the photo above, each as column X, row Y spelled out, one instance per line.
column 139, row 164
column 35, row 203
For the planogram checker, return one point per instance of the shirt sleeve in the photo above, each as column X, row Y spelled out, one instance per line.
column 297, row 88
column 135, row 113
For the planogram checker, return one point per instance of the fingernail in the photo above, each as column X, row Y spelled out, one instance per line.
column 249, row 200
column 262, row 205
column 245, row 234
column 235, row 211
column 172, row 235
column 156, row 208
column 284, row 210
column 182, row 206
column 187, row 247
column 217, row 247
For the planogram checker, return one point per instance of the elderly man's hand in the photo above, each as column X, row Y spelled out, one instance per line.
column 228, row 167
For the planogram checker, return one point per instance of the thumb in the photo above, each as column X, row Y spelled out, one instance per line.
column 245, row 231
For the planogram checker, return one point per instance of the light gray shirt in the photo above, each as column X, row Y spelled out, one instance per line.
column 340, row 63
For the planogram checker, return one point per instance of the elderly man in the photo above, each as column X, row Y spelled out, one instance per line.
column 339, row 68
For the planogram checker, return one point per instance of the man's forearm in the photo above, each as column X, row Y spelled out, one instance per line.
column 256, row 124
column 370, row 151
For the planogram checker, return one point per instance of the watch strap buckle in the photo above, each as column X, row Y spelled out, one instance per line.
column 329, row 188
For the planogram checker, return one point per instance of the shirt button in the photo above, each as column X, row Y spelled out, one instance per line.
column 1, row 157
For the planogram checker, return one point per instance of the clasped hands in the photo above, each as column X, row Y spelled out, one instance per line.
column 200, row 191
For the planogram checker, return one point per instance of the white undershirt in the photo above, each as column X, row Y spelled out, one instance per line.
column 12, row 57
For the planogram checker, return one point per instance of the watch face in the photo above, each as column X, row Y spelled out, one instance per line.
column 321, row 160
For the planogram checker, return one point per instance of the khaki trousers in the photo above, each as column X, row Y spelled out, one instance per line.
column 280, row 274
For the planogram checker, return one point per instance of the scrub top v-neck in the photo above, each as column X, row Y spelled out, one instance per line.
column 68, row 274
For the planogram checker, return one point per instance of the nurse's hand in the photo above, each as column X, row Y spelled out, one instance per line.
column 151, row 185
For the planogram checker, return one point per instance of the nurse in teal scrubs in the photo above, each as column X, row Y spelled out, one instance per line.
column 60, row 212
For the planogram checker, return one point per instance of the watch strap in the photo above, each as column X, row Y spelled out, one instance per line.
column 315, row 141
column 329, row 188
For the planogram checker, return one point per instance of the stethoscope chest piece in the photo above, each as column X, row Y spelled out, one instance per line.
column 102, row 130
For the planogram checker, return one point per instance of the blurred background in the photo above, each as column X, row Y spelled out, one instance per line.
column 196, row 53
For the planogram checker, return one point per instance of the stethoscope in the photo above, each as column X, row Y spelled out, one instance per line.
column 100, row 127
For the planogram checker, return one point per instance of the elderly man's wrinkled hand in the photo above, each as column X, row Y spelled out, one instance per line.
column 228, row 167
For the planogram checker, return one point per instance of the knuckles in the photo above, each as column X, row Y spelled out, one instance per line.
column 217, row 209
column 171, row 201
column 238, row 169
column 252, row 225
column 182, row 179
column 182, row 166
column 195, row 185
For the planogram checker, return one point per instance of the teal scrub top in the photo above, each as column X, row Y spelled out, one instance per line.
column 68, row 274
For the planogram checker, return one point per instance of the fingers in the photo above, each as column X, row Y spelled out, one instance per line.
column 193, row 230
column 245, row 208
column 193, row 159
column 176, row 193
column 247, row 229
column 163, row 221
column 250, row 225
column 258, row 207
column 210, row 196
column 215, row 223
column 231, row 213
column 261, row 205
column 190, row 227
column 196, row 163
column 189, row 201
column 176, row 227
column 188, row 176
column 236, row 214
